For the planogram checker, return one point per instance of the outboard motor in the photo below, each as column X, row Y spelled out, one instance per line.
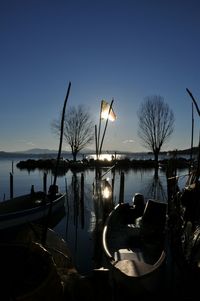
column 138, row 204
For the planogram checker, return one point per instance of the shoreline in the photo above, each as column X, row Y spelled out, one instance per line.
column 64, row 165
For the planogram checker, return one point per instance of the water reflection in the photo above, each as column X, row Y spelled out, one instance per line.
column 155, row 189
column 84, row 213
column 103, row 204
column 88, row 206
column 75, row 204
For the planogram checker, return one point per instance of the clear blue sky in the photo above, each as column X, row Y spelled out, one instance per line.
column 121, row 49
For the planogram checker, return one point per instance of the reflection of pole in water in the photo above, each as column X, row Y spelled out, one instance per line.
column 121, row 191
column 156, row 190
column 102, row 206
column 45, row 182
column 11, row 185
column 76, row 202
column 82, row 201
column 67, row 209
column 12, row 167
column 113, row 184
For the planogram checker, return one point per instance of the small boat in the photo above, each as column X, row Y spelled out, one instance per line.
column 33, row 271
column 29, row 208
column 184, row 230
column 28, row 273
column 134, row 246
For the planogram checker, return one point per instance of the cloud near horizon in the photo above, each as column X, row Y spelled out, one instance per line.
column 29, row 143
column 128, row 141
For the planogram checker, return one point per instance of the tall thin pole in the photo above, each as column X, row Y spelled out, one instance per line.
column 192, row 135
column 105, row 127
column 11, row 185
column 61, row 135
column 96, row 143
column 53, row 188
column 198, row 163
column 99, row 130
column 193, row 99
column 198, row 111
column 121, row 191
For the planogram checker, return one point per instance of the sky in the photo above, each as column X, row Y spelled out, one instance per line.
column 124, row 50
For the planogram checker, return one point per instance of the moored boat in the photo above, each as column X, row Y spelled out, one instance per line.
column 134, row 247
column 31, row 270
column 29, row 208
column 28, row 273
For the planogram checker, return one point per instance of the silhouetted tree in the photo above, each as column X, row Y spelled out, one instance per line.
column 156, row 123
column 78, row 129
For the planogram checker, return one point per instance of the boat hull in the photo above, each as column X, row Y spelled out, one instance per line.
column 11, row 214
column 28, row 273
column 135, row 264
column 150, row 283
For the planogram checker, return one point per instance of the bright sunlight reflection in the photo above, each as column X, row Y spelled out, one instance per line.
column 106, row 193
column 106, row 189
column 108, row 157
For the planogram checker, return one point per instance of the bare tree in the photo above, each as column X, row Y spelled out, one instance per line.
column 156, row 123
column 78, row 129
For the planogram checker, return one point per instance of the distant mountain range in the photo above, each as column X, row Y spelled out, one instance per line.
column 39, row 152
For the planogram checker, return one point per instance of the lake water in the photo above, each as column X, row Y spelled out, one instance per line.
column 82, row 225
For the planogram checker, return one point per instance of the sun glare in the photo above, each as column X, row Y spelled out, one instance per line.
column 102, row 157
column 105, row 115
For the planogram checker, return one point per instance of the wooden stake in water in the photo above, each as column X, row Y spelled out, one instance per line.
column 11, row 185
column 45, row 182
column 53, row 188
column 121, row 191
column 61, row 134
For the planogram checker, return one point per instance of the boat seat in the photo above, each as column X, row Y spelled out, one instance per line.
column 134, row 263
column 153, row 221
column 123, row 254
column 133, row 268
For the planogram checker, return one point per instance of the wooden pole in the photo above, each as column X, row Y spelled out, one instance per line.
column 11, row 185
column 82, row 201
column 61, row 136
column 105, row 127
column 45, row 182
column 121, row 191
column 198, row 163
column 198, row 111
column 192, row 135
column 193, row 99
column 99, row 131
column 53, row 188
column 96, row 142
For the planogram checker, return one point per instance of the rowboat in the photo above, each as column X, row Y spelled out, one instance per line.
column 184, row 229
column 134, row 247
column 33, row 271
column 36, row 205
column 29, row 208
column 28, row 273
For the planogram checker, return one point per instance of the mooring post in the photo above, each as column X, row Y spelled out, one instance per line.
column 11, row 185
column 12, row 167
column 82, row 201
column 121, row 191
column 45, row 182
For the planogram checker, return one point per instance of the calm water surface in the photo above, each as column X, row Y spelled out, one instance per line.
column 82, row 225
